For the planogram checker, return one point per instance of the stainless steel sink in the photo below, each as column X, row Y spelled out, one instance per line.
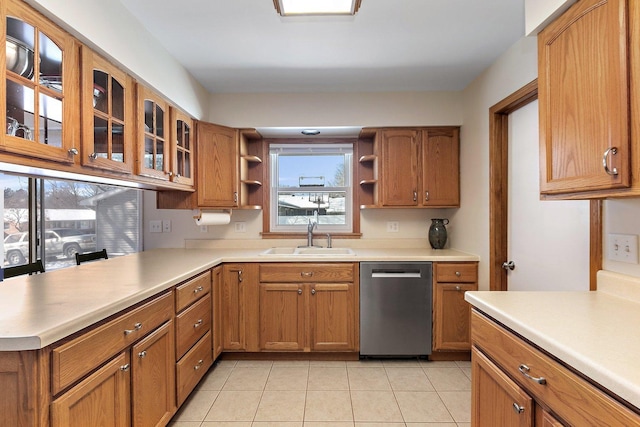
column 308, row 251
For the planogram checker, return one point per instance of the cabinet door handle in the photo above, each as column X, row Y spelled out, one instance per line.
column 605, row 161
column 198, row 289
column 313, row 291
column 136, row 327
column 299, row 291
column 235, row 197
column 198, row 323
column 142, row 354
column 125, row 367
column 517, row 408
column 93, row 156
column 524, row 370
column 426, row 196
column 73, row 151
column 198, row 365
column 415, row 196
column 458, row 288
column 306, row 273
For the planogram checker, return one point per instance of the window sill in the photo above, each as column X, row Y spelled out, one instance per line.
column 269, row 235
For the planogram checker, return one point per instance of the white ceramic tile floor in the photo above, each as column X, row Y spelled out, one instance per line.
column 370, row 393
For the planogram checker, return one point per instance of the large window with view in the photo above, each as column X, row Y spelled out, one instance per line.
column 52, row 220
column 311, row 183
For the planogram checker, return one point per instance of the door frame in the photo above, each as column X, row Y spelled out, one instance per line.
column 498, row 192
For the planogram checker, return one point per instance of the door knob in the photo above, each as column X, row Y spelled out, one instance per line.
column 508, row 265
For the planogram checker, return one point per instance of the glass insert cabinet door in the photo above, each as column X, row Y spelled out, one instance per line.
column 40, row 85
column 182, row 148
column 153, row 128
column 108, row 127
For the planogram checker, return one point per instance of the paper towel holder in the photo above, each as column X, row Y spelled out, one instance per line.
column 198, row 213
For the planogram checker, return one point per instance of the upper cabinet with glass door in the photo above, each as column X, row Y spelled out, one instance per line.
column 182, row 148
column 108, row 118
column 153, row 135
column 40, row 88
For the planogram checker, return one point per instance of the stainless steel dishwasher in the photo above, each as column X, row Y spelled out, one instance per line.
column 395, row 308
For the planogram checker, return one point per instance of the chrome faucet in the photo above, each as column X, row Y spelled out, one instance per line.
column 310, row 227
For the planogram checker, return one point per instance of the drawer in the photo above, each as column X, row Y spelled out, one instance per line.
column 192, row 367
column 571, row 397
column 76, row 358
column 192, row 290
column 456, row 272
column 192, row 324
column 303, row 272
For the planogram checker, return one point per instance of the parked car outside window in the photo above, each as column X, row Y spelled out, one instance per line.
column 64, row 242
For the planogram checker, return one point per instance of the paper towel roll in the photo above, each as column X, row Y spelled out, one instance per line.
column 213, row 218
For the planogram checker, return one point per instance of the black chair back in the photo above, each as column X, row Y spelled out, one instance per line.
column 18, row 270
column 91, row 256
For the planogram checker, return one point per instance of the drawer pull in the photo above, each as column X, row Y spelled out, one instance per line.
column 124, row 368
column 142, row 354
column 306, row 273
column 198, row 323
column 458, row 288
column 524, row 370
column 458, row 274
column 136, row 327
column 313, row 291
column 198, row 289
column 200, row 362
column 517, row 408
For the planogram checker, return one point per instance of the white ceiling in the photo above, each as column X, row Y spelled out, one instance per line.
column 244, row 46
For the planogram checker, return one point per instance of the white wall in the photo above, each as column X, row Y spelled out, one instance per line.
column 539, row 13
column 108, row 27
column 621, row 216
column 514, row 69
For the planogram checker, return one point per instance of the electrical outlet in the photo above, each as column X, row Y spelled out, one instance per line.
column 393, row 226
column 155, row 226
column 204, row 228
column 166, row 226
column 240, row 226
column 623, row 248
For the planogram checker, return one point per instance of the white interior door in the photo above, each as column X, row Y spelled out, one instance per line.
column 548, row 241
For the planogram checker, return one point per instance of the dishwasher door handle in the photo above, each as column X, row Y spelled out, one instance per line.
column 400, row 274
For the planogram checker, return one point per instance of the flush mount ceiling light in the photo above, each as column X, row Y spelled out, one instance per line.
column 316, row 7
column 310, row 132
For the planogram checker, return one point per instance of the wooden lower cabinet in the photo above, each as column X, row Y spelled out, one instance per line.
column 240, row 307
column 516, row 384
column 135, row 388
column 308, row 307
column 451, row 313
column 153, row 388
column 102, row 399
column 216, row 286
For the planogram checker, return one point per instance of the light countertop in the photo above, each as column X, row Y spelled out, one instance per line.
column 38, row 310
column 593, row 332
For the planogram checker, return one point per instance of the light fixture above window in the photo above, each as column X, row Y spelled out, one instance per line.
column 316, row 7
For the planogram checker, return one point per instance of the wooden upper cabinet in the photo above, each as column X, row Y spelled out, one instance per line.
column 399, row 174
column 584, row 98
column 420, row 167
column 108, row 118
column 40, row 86
column 182, row 148
column 218, row 159
column 153, row 135
column 440, row 168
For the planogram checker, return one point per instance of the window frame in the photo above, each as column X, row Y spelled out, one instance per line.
column 352, row 217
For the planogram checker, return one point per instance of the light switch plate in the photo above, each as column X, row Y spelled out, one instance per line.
column 623, row 248
column 240, row 226
column 166, row 226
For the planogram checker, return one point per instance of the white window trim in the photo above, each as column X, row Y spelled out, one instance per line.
column 319, row 148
